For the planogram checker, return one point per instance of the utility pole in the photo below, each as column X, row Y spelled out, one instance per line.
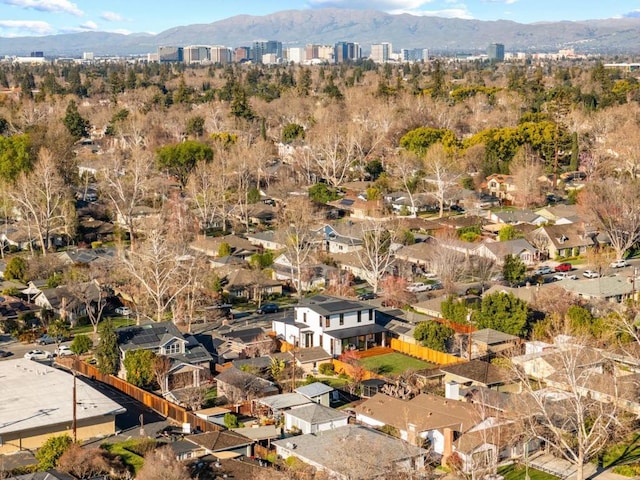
column 74, row 425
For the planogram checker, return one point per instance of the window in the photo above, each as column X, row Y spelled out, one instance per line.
column 173, row 348
column 327, row 322
column 321, row 338
column 342, row 319
column 304, row 317
column 359, row 316
column 371, row 314
column 320, row 321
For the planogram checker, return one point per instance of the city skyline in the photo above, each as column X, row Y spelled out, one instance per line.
column 47, row 17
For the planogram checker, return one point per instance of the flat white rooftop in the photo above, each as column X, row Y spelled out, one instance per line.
column 35, row 395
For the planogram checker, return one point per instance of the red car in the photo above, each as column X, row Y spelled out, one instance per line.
column 564, row 267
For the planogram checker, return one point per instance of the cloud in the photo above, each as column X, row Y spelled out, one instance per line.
column 112, row 17
column 90, row 25
column 506, row 2
column 52, row 6
column 20, row 28
column 446, row 13
column 632, row 14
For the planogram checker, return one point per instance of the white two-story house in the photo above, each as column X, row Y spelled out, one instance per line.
column 333, row 323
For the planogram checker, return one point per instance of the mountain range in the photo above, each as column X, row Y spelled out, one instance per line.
column 328, row 26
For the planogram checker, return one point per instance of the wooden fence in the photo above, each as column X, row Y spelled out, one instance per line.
column 424, row 353
column 149, row 399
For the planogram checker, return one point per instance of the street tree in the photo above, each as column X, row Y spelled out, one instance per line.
column 613, row 203
column 407, row 168
column 513, row 269
column 503, row 312
column 526, row 168
column 376, row 255
column 296, row 227
column 77, row 126
column 107, row 354
column 15, row 156
column 124, row 181
column 160, row 367
column 43, row 200
column 442, row 174
column 81, row 344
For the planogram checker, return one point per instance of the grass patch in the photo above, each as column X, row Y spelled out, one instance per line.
column 126, row 451
column 335, row 382
column 517, row 472
column 393, row 363
column 624, row 457
column 117, row 323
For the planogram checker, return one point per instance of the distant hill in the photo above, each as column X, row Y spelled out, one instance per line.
column 327, row 26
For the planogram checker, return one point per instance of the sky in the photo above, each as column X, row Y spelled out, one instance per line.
column 46, row 17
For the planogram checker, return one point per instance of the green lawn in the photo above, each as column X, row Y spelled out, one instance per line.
column 393, row 363
column 517, row 472
column 624, row 457
column 117, row 323
column 124, row 450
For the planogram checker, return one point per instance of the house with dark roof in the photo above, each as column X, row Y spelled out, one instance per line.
column 490, row 342
column 343, row 237
column 238, row 386
column 190, row 361
column 558, row 241
column 66, row 302
column 481, row 374
column 223, row 444
column 333, row 323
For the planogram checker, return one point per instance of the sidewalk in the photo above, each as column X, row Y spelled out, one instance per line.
column 566, row 470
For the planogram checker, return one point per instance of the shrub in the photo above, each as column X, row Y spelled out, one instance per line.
column 327, row 368
column 96, row 244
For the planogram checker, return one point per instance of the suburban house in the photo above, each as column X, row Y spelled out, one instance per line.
column 400, row 202
column 222, row 444
column 519, row 248
column 210, row 246
column 568, row 240
column 308, row 359
column 238, row 386
column 425, row 417
column 274, row 406
column 314, row 276
column 343, row 237
column 615, row 289
column 359, row 207
column 516, row 217
column 314, row 418
column 65, row 303
column 481, row 374
column 269, row 239
column 36, row 405
column 317, row 392
column 353, row 451
column 501, row 186
column 17, row 237
column 560, row 214
column 332, row 323
column 190, row 362
column 492, row 342
column 249, row 284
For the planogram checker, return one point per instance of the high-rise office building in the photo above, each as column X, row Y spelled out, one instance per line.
column 170, row 54
column 220, row 54
column 197, row 54
column 495, row 52
column 414, row 55
column 261, row 48
column 346, row 52
column 242, row 54
column 381, row 52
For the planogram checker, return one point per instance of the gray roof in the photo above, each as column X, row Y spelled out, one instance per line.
column 517, row 216
column 356, row 331
column 315, row 413
column 284, row 401
column 603, row 287
column 326, row 305
column 147, row 336
column 312, row 354
column 314, row 389
column 36, row 395
column 343, row 450
column 489, row 336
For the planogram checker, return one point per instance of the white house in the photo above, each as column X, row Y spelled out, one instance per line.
column 332, row 323
column 314, row 418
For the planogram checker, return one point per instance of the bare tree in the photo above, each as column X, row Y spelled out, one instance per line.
column 162, row 463
column 157, row 268
column 43, row 200
column 574, row 423
column 526, row 168
column 614, row 206
column 161, row 366
column 448, row 260
column 376, row 255
column 89, row 462
column 406, row 168
column 333, row 154
column 296, row 227
column 124, row 181
column 442, row 173
column 93, row 296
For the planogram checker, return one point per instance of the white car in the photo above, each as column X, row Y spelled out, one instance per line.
column 590, row 274
column 63, row 351
column 38, row 355
column 124, row 311
column 417, row 287
column 564, row 276
column 619, row 263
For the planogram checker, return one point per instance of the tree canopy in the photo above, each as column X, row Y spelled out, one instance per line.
column 503, row 312
column 433, row 335
column 179, row 159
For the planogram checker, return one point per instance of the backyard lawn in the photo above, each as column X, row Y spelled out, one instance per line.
column 518, row 472
column 393, row 363
column 117, row 323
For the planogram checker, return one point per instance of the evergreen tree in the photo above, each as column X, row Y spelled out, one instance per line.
column 503, row 312
column 513, row 269
column 107, row 351
column 77, row 126
column 433, row 335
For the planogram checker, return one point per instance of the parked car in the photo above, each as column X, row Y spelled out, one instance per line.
column 544, row 270
column 38, row 355
column 268, row 308
column 435, row 286
column 620, row 263
column 367, row 296
column 456, row 208
column 46, row 339
column 564, row 276
column 5, row 353
column 418, row 287
column 563, row 267
column 590, row 274
column 63, row 351
column 124, row 311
